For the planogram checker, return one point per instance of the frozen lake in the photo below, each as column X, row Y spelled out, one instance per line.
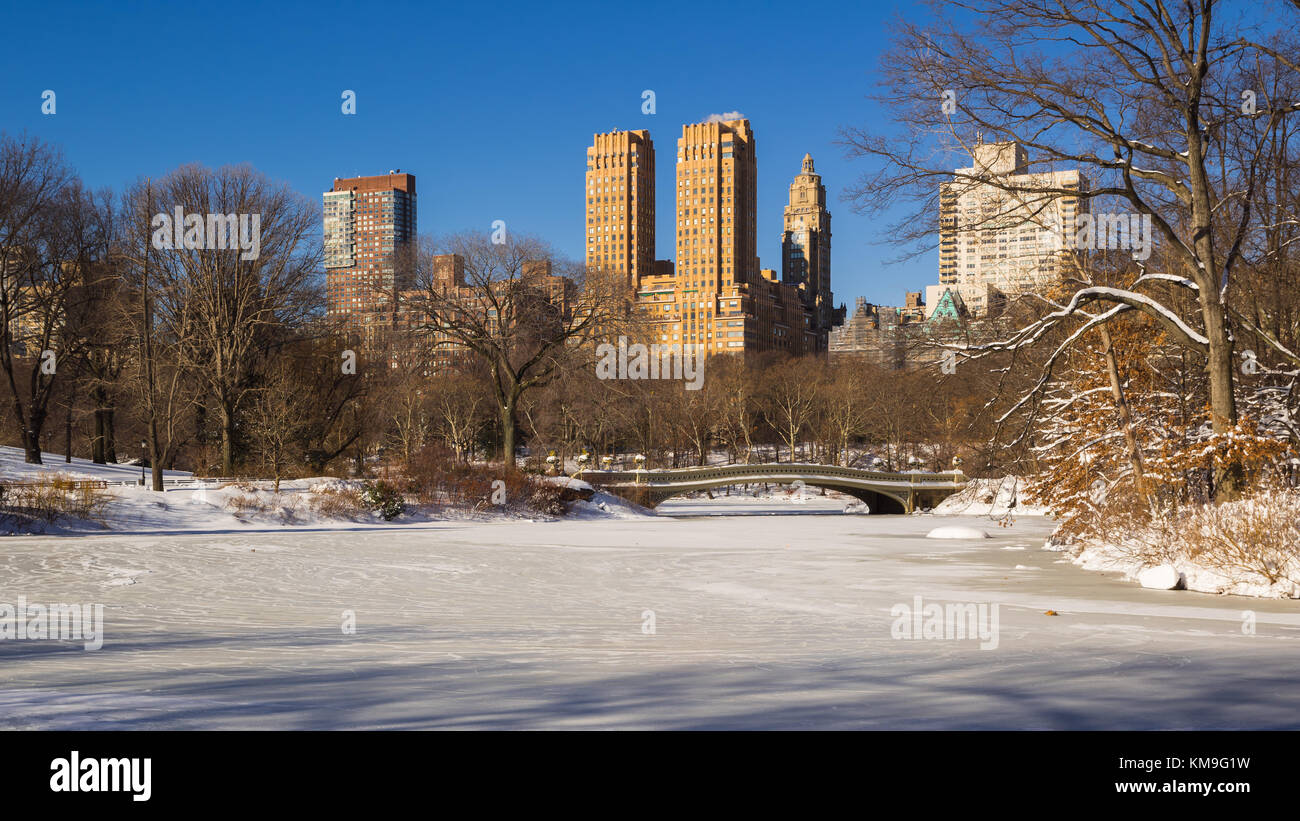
column 777, row 618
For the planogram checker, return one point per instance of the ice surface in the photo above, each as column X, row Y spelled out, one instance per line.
column 760, row 621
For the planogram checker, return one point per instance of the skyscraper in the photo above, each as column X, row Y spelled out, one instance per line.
column 716, row 193
column 717, row 173
column 714, row 294
column 368, row 223
column 997, row 223
column 806, row 247
column 621, row 203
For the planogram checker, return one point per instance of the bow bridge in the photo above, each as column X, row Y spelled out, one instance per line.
column 883, row 492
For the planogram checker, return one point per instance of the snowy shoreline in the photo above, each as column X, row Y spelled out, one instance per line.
column 199, row 507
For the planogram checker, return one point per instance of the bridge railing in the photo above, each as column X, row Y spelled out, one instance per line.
column 755, row 472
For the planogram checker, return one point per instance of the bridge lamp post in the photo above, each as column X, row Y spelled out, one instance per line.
column 606, row 462
column 582, row 462
column 642, row 497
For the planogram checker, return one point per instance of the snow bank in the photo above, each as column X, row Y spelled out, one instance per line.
column 1161, row 577
column 1249, row 547
column 604, row 505
column 989, row 497
column 1195, row 577
column 12, row 466
column 202, row 506
column 956, row 532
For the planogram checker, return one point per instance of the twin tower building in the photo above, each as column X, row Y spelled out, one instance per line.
column 714, row 294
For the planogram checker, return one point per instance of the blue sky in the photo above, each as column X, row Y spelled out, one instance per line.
column 491, row 105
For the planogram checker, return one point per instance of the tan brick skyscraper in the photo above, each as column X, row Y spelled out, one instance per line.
column 806, row 247
column 717, row 251
column 715, row 296
column 716, row 198
column 621, row 203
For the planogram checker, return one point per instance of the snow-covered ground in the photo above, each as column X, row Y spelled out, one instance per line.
column 205, row 506
column 13, row 466
column 759, row 621
column 991, row 497
column 1247, row 547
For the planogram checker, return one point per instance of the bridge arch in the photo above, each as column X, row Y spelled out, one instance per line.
column 883, row 492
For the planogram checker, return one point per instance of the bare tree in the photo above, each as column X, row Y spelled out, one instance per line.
column 161, row 382
column 845, row 406
column 52, row 231
column 789, row 398
column 277, row 414
column 1147, row 97
column 341, row 402
column 106, row 346
column 738, row 411
column 517, row 308
column 460, row 410
column 226, row 304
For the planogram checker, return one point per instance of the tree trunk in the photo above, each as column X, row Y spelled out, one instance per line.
column 1125, row 412
column 1223, row 401
column 227, row 440
column 508, row 436
column 32, row 438
column 98, row 451
column 110, row 436
column 155, row 458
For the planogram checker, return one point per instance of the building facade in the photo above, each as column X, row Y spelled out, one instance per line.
column 368, row 223
column 806, row 248
column 621, row 204
column 1000, row 224
column 714, row 293
column 407, row 329
column 901, row 337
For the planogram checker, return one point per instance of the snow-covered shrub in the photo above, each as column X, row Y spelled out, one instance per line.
column 436, row 477
column 288, row 505
column 1250, row 546
column 1258, row 537
column 337, row 502
column 544, row 498
column 52, row 497
column 383, row 498
column 245, row 504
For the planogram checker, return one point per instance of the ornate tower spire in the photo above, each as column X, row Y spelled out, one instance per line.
column 806, row 249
